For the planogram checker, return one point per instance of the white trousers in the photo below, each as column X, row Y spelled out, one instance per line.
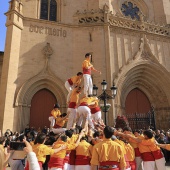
column 97, row 116
column 160, row 164
column 84, row 111
column 66, row 166
column 88, row 85
column 139, row 163
column 69, row 89
column 58, row 130
column 71, row 167
column 82, row 167
column 149, row 165
column 52, row 120
column 72, row 117
column 54, row 168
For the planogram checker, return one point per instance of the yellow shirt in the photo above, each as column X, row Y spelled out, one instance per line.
column 41, row 151
column 86, row 63
column 87, row 100
column 74, row 96
column 2, row 147
column 76, row 80
column 84, row 148
column 130, row 153
column 62, row 153
column 121, row 143
column 61, row 122
column 108, row 150
column 55, row 113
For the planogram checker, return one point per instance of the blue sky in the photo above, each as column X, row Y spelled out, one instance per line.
column 3, row 8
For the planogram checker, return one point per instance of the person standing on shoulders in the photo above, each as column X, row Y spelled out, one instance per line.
column 87, row 68
column 72, row 82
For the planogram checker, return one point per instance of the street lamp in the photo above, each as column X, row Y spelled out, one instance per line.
column 104, row 96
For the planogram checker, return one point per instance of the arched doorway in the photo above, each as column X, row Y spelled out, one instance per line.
column 41, row 105
column 137, row 102
column 138, row 109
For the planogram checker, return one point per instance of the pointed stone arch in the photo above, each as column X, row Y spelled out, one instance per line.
column 29, row 88
column 151, row 78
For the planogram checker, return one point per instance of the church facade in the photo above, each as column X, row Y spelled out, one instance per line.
column 46, row 42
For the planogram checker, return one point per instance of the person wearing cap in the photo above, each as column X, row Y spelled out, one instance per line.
column 108, row 155
column 87, row 68
column 73, row 82
column 54, row 114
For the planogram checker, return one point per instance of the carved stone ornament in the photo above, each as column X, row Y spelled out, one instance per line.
column 142, row 25
column 47, row 50
column 91, row 16
column 145, row 52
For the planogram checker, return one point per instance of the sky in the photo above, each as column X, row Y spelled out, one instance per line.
column 3, row 8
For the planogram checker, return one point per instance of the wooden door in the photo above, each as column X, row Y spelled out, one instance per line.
column 137, row 102
column 41, row 105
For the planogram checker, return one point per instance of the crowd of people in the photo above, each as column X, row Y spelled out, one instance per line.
column 79, row 139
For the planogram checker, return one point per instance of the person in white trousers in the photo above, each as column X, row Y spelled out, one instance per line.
column 87, row 68
column 72, row 108
column 72, row 82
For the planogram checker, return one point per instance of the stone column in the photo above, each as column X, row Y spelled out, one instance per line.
column 8, row 84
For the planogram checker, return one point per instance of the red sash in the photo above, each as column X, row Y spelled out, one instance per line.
column 82, row 160
column 83, row 104
column 56, row 126
column 66, row 159
column 72, row 157
column 87, row 71
column 70, row 82
column 127, row 162
column 27, row 165
column 56, row 162
column 137, row 152
column 147, row 156
column 94, row 110
column 132, row 165
column 72, row 105
column 110, row 163
column 157, row 154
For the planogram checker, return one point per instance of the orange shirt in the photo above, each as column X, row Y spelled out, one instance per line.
column 74, row 97
column 108, row 150
column 76, row 80
column 167, row 147
column 132, row 142
column 84, row 148
column 55, row 113
column 130, row 153
column 41, row 151
column 60, row 122
column 150, row 143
